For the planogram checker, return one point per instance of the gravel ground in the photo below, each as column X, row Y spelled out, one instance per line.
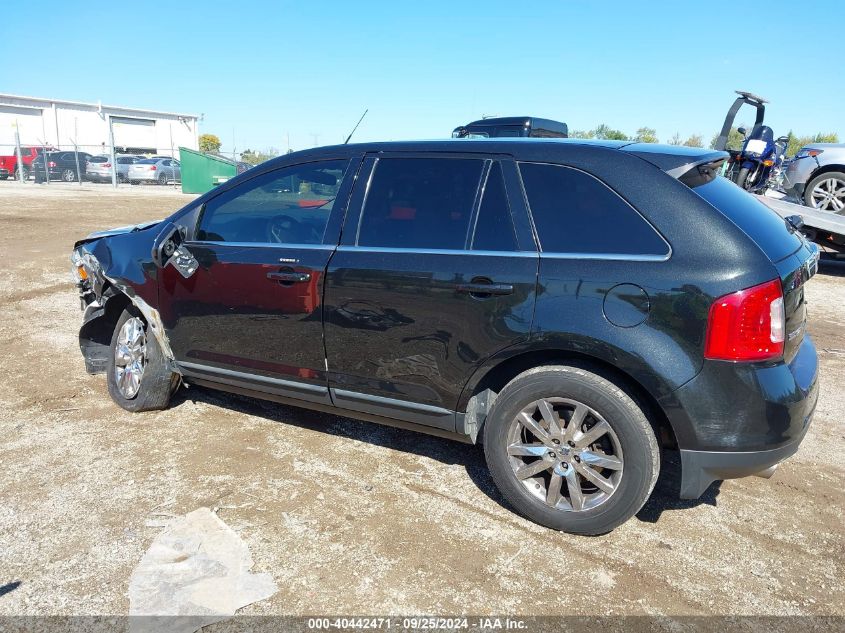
column 350, row 517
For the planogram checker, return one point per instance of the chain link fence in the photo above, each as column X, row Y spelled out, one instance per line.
column 30, row 161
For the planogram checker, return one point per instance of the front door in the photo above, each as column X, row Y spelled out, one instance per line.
column 251, row 313
column 433, row 276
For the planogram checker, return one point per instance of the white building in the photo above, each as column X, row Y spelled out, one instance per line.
column 65, row 123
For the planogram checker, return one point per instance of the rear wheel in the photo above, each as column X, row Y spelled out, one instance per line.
column 742, row 179
column 68, row 175
column 162, row 179
column 570, row 450
column 826, row 192
column 139, row 377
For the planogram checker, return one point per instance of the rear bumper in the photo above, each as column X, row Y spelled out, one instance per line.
column 734, row 420
column 702, row 468
column 151, row 177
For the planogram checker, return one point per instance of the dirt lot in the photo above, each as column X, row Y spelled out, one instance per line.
column 351, row 517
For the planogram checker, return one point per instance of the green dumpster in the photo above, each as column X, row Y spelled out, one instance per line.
column 201, row 172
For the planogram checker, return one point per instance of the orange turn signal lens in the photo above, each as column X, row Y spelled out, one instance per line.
column 83, row 274
column 768, row 163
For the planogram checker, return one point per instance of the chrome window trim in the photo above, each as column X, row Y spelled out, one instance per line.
column 631, row 257
column 435, row 251
column 621, row 257
column 314, row 247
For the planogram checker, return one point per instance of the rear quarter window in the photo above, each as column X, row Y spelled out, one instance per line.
column 575, row 213
column 765, row 227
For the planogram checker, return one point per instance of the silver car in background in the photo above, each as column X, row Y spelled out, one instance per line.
column 160, row 170
column 98, row 168
column 816, row 176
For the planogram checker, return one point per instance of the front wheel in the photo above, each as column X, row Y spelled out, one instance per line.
column 570, row 450
column 742, row 179
column 139, row 376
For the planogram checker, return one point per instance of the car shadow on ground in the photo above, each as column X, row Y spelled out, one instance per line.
column 9, row 587
column 450, row 452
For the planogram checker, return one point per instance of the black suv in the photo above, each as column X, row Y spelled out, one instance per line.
column 65, row 166
column 574, row 306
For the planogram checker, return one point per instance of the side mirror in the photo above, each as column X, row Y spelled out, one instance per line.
column 741, row 130
column 168, row 248
column 166, row 243
column 795, row 221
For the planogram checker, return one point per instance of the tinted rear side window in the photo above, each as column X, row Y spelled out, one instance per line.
column 494, row 228
column 755, row 219
column 420, row 203
column 576, row 213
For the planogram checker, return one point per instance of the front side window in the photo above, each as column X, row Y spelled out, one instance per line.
column 420, row 203
column 575, row 213
column 285, row 206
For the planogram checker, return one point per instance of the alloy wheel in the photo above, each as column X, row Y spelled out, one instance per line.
column 130, row 357
column 68, row 175
column 829, row 195
column 565, row 454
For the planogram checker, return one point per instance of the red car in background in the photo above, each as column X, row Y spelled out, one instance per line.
column 9, row 164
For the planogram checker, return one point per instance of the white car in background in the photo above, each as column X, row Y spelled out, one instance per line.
column 160, row 170
column 98, row 168
column 816, row 176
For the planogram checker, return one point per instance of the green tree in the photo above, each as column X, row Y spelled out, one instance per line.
column 646, row 135
column 676, row 139
column 582, row 134
column 735, row 139
column 694, row 140
column 255, row 157
column 605, row 132
column 209, row 143
column 797, row 142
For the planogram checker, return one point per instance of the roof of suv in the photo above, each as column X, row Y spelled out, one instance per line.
column 673, row 159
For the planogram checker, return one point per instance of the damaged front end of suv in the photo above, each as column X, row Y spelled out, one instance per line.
column 117, row 270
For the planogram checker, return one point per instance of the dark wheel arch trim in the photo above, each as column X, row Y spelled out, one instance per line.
column 496, row 372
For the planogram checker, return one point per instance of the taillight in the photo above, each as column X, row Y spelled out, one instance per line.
column 747, row 325
column 106, row 164
column 152, row 167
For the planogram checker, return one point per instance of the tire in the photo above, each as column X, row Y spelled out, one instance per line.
column 617, row 433
column 156, row 383
column 69, row 175
column 826, row 192
column 4, row 178
column 25, row 173
column 162, row 179
column 742, row 178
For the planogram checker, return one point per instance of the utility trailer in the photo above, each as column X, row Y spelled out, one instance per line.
column 822, row 227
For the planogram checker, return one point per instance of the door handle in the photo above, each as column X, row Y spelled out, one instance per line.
column 485, row 289
column 289, row 277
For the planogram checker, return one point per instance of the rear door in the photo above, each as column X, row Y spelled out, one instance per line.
column 251, row 313
column 433, row 276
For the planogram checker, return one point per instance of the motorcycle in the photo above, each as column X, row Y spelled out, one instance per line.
column 759, row 164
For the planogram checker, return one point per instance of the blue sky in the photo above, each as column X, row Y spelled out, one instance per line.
column 263, row 71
